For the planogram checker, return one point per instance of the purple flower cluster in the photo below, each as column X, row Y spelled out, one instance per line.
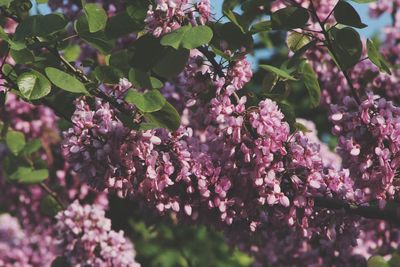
column 329, row 158
column 33, row 121
column 93, row 145
column 220, row 169
column 168, row 15
column 369, row 142
column 19, row 248
column 85, row 238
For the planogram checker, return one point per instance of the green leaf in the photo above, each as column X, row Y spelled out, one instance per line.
column 22, row 56
column 96, row 17
column 141, row 79
column 347, row 46
column 377, row 261
column 72, row 52
column 233, row 18
column 34, row 176
column 174, row 39
column 197, row 36
column 150, row 101
column 3, row 35
column 231, row 34
column 394, row 260
column 121, row 60
column 121, row 24
column 9, row 71
column 148, row 126
column 60, row 261
column 311, row 82
column 301, row 127
column 40, row 25
column 65, row 81
column 15, row 141
column 261, row 27
column 288, row 112
column 15, row 45
column 147, row 52
column 98, row 40
column 20, row 172
column 108, row 74
column 49, row 206
column 188, row 37
column 299, row 53
column 137, row 10
column 296, row 41
column 33, row 85
column 289, row 18
column 164, row 67
column 167, row 117
column 377, row 58
column 32, row 146
column 5, row 3
column 281, row 73
column 3, row 96
column 346, row 14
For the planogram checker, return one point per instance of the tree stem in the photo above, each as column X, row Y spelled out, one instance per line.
column 388, row 214
column 330, row 48
column 52, row 193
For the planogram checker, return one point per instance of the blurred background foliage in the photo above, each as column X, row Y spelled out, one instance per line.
column 163, row 242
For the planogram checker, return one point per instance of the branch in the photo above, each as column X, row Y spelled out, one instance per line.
column 216, row 66
column 53, row 194
column 210, row 57
column 77, row 72
column 388, row 214
column 330, row 48
column 393, row 14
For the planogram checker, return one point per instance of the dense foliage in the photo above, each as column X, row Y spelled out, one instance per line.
column 143, row 133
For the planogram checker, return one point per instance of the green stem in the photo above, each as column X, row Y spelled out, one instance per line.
column 330, row 48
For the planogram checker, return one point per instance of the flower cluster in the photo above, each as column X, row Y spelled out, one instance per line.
column 24, row 249
column 330, row 159
column 93, row 145
column 168, row 15
column 33, row 121
column 369, row 144
column 85, row 238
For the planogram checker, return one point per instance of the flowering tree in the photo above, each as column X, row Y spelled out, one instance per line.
column 126, row 122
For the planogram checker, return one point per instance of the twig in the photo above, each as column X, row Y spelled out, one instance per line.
column 330, row 47
column 53, row 194
column 216, row 66
column 388, row 214
column 211, row 59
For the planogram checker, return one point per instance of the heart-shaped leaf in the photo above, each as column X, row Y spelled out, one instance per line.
column 346, row 14
column 33, row 85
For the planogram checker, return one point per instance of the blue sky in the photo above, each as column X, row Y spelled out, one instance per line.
column 373, row 24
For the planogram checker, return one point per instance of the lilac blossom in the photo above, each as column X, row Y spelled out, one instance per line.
column 85, row 238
